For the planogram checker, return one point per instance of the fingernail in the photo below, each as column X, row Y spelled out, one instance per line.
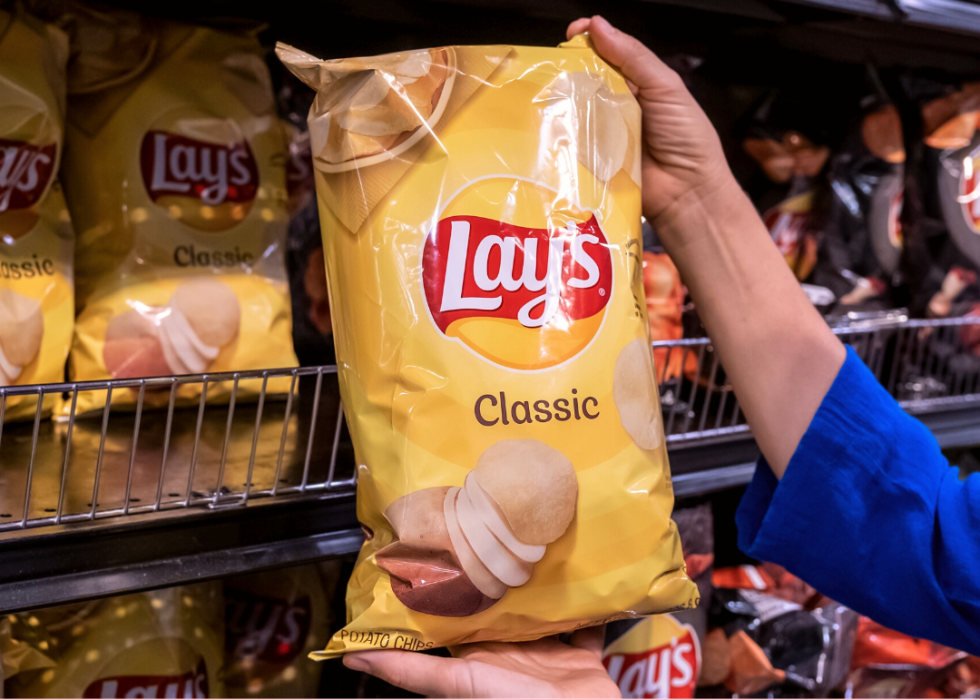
column 355, row 662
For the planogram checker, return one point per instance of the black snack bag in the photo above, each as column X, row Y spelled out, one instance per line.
column 942, row 256
column 808, row 650
column 794, row 162
column 861, row 246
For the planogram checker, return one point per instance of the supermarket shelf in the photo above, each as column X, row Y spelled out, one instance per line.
column 865, row 8
column 179, row 488
column 710, row 481
column 953, row 424
column 180, row 479
column 114, row 557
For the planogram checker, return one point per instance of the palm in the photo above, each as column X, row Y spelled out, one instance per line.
column 543, row 668
column 536, row 668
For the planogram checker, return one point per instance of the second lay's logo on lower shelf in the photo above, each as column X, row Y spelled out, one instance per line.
column 658, row 657
column 260, row 628
column 524, row 297
column 190, row 685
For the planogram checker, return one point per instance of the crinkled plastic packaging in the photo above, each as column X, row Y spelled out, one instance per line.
column 273, row 619
column 165, row 643
column 480, row 209
column 175, row 178
column 36, row 297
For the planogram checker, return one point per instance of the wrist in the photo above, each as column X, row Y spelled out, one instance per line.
column 705, row 210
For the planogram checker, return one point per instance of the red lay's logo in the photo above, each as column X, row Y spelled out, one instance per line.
column 525, row 298
column 669, row 670
column 190, row 685
column 208, row 186
column 211, row 172
column 270, row 630
column 25, row 172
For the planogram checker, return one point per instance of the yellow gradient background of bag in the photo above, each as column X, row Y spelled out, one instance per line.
column 165, row 637
column 211, row 89
column 409, row 390
column 36, row 240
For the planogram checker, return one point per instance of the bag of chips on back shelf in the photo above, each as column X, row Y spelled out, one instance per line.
column 657, row 656
column 17, row 657
column 889, row 662
column 660, row 656
column 165, row 643
column 776, row 635
column 36, row 296
column 273, row 620
column 480, row 209
column 175, row 177
column 859, row 257
column 944, row 257
column 793, row 161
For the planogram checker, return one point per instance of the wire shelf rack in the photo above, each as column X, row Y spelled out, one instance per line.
column 255, row 445
column 925, row 364
column 280, row 433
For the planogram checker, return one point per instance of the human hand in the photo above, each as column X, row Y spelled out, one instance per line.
column 682, row 153
column 543, row 668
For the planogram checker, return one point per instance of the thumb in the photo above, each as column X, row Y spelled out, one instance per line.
column 638, row 63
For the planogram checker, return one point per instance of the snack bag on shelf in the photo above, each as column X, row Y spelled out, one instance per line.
column 665, row 307
column 660, row 656
column 944, row 255
column 17, row 656
column 273, row 620
column 165, row 643
column 774, row 634
column 859, row 258
column 36, row 296
column 887, row 661
column 480, row 209
column 657, row 656
column 175, row 177
column 793, row 162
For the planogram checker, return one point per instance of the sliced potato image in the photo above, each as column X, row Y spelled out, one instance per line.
column 635, row 394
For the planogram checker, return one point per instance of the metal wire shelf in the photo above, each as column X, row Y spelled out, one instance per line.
column 134, row 460
column 266, row 442
column 925, row 364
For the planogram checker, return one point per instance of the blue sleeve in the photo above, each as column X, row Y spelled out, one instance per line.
column 870, row 513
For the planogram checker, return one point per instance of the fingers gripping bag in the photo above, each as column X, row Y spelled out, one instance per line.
column 36, row 298
column 175, row 176
column 480, row 210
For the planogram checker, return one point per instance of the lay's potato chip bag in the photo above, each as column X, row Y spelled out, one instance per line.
column 163, row 643
column 175, row 176
column 480, row 209
column 36, row 297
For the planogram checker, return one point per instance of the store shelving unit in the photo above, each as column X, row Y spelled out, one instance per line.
column 136, row 497
column 176, row 488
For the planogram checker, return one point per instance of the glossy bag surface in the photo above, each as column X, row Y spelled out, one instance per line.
column 480, row 210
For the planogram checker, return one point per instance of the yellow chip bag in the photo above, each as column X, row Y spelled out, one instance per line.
column 481, row 224
column 36, row 297
column 164, row 643
column 175, row 177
